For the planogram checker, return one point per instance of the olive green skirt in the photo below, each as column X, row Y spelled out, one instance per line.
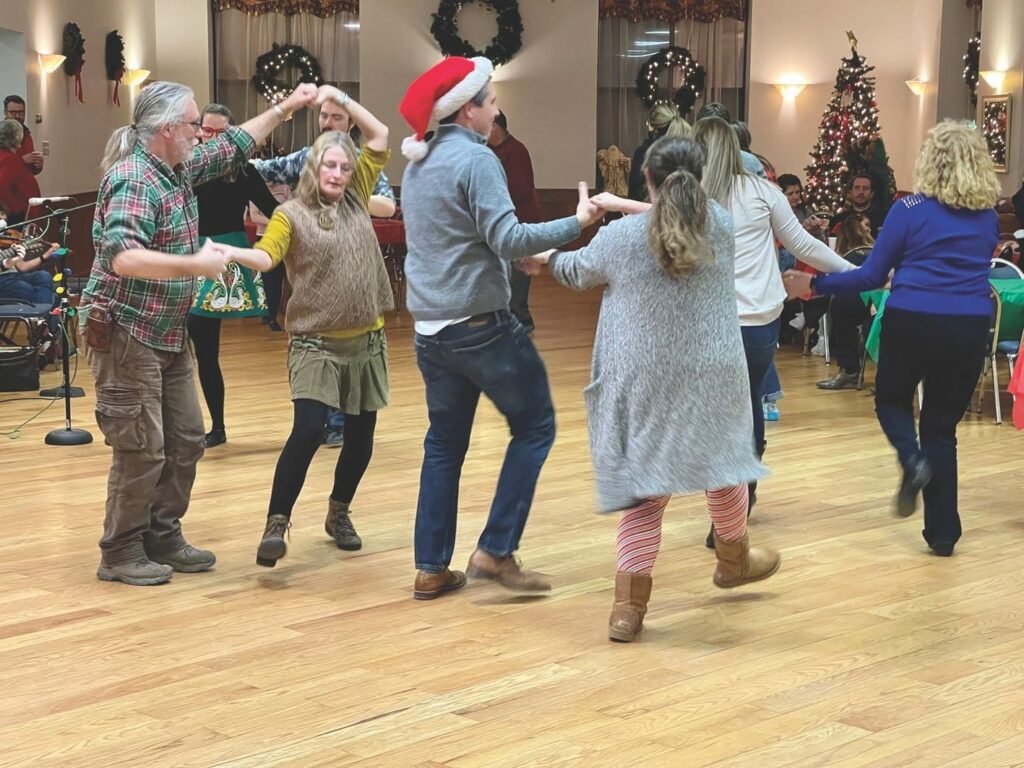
column 350, row 375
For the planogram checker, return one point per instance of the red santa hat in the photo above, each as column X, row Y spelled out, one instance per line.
column 437, row 93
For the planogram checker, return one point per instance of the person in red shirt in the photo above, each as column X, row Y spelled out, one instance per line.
column 17, row 184
column 14, row 109
column 515, row 159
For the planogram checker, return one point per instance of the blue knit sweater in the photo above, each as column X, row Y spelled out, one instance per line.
column 941, row 256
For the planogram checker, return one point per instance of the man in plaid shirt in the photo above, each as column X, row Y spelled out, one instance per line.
column 134, row 309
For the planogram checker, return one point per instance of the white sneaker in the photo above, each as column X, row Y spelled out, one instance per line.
column 819, row 348
column 798, row 322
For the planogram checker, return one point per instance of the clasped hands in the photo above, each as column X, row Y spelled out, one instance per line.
column 589, row 211
column 308, row 95
column 213, row 258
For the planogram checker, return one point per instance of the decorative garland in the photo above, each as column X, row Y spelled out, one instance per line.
column 670, row 57
column 972, row 61
column 74, row 56
column 505, row 44
column 114, row 57
column 270, row 64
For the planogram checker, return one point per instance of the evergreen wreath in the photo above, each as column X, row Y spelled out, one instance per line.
column 670, row 57
column 972, row 61
column 73, row 49
column 505, row 44
column 114, row 56
column 278, row 58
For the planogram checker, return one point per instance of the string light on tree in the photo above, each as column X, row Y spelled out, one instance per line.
column 849, row 123
column 972, row 62
column 279, row 58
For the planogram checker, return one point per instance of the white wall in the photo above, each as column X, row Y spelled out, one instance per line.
column 548, row 91
column 184, row 47
column 806, row 41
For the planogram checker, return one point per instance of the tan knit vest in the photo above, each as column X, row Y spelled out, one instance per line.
column 337, row 275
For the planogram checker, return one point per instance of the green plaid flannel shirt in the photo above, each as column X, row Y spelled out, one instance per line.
column 143, row 203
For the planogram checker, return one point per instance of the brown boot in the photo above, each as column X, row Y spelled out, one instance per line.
column 272, row 547
column 632, row 591
column 339, row 526
column 739, row 563
column 431, row 584
column 506, row 571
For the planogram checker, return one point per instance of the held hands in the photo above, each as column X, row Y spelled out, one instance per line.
column 304, row 95
column 797, row 283
column 587, row 212
column 34, row 159
column 534, row 265
column 610, row 202
column 211, row 260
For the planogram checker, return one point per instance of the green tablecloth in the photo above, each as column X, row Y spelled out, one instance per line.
column 1011, row 323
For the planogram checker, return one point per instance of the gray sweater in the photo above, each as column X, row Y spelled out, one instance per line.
column 461, row 229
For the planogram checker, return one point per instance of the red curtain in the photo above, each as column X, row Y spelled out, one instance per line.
column 322, row 8
column 674, row 10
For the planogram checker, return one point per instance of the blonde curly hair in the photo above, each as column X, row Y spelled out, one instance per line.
column 954, row 167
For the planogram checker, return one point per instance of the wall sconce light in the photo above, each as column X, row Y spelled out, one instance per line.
column 48, row 62
column 994, row 78
column 917, row 87
column 790, row 90
column 135, row 76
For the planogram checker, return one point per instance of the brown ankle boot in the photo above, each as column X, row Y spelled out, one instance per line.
column 739, row 563
column 272, row 547
column 632, row 591
column 339, row 526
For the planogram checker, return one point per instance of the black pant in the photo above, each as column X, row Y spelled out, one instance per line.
column 205, row 335
column 946, row 352
column 849, row 313
column 273, row 282
column 306, row 436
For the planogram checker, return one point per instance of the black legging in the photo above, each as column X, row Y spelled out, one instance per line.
column 306, row 436
column 205, row 335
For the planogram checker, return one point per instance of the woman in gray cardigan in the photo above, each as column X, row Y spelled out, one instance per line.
column 668, row 405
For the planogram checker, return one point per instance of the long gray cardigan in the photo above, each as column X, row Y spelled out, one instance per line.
column 668, row 405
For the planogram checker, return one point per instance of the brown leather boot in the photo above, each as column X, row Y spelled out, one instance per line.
column 739, row 563
column 632, row 591
column 506, row 571
column 272, row 547
column 431, row 584
column 339, row 526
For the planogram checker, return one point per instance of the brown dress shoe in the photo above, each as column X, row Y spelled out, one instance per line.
column 632, row 591
column 431, row 584
column 739, row 563
column 506, row 571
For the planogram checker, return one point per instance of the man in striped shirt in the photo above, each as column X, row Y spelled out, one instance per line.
column 134, row 309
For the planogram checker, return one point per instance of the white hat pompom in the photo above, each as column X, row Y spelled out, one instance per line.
column 414, row 149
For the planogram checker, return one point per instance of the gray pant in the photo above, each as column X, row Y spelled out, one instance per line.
column 148, row 410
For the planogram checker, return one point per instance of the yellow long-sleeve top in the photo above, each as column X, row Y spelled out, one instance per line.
column 282, row 243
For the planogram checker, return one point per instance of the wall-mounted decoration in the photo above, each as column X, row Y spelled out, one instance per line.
column 505, row 44
column 74, row 56
column 995, row 127
column 972, row 62
column 671, row 57
column 114, row 56
column 278, row 58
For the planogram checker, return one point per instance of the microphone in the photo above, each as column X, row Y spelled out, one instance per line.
column 34, row 201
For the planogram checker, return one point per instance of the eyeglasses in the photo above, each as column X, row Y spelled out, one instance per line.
column 15, row 112
column 211, row 132
column 196, row 124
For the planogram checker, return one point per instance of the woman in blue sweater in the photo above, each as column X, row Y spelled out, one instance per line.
column 938, row 244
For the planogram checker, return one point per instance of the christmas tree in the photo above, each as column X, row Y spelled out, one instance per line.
column 847, row 135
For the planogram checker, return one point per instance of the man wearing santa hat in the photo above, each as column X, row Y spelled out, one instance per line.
column 462, row 235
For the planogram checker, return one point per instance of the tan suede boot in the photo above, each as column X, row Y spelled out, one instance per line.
column 632, row 591
column 739, row 563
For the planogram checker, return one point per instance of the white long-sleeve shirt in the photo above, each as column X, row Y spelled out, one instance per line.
column 761, row 213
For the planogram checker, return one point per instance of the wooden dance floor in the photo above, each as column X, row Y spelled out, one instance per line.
column 863, row 651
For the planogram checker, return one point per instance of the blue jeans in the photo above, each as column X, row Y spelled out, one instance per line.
column 772, row 385
column 759, row 342
column 36, row 287
column 491, row 355
column 335, row 421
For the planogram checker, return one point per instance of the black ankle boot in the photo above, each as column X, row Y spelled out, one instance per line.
column 215, row 437
column 916, row 476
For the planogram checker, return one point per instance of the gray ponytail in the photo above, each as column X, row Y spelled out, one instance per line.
column 157, row 105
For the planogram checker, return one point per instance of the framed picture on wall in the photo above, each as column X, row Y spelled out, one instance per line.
column 995, row 127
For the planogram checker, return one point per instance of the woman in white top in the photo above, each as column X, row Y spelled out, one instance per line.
column 761, row 215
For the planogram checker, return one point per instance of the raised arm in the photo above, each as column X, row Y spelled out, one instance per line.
column 375, row 133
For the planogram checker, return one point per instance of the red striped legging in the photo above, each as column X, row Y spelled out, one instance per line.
column 639, row 534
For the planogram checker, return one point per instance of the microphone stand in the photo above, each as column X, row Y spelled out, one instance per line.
column 68, row 435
